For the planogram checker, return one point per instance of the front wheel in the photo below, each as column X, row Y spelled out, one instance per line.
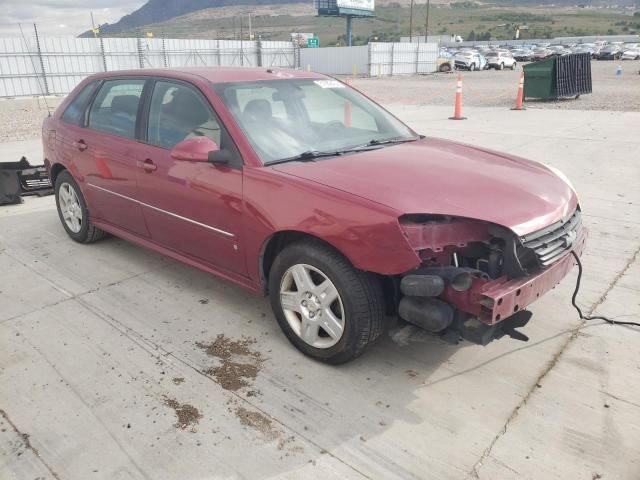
column 72, row 210
column 328, row 309
column 501, row 67
column 472, row 67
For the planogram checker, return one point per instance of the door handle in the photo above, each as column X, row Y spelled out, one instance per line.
column 149, row 166
column 80, row 145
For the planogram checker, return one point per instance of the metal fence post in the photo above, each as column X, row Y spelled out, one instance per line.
column 164, row 51
column 104, row 57
column 393, row 45
column 44, row 74
column 259, row 52
column 296, row 55
column 140, row 56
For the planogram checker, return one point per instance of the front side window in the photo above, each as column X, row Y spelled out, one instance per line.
column 286, row 118
column 75, row 111
column 115, row 108
column 178, row 113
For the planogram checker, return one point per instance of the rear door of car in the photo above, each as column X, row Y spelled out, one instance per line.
column 104, row 154
column 193, row 208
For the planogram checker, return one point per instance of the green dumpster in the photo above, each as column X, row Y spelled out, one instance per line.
column 558, row 77
column 539, row 81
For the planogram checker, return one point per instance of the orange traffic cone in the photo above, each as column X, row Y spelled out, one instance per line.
column 347, row 114
column 520, row 97
column 457, row 113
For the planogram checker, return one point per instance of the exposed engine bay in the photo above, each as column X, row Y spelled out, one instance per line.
column 481, row 272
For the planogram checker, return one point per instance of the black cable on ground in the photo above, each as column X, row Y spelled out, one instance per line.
column 595, row 317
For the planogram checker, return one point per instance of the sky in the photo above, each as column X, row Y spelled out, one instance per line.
column 60, row 17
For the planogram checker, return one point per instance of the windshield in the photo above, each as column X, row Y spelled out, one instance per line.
column 284, row 119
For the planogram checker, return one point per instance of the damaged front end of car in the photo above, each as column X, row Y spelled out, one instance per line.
column 476, row 278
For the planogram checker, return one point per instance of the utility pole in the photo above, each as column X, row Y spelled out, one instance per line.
column 250, row 29
column 411, row 23
column 426, row 24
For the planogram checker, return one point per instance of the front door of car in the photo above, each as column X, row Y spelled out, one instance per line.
column 193, row 208
column 104, row 156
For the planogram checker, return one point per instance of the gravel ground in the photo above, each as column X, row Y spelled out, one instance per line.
column 493, row 88
column 21, row 118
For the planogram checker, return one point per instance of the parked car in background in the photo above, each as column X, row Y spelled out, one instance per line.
column 610, row 52
column 541, row 54
column 522, row 55
column 470, row 61
column 558, row 50
column 296, row 186
column 631, row 54
column 584, row 49
column 501, row 60
column 445, row 61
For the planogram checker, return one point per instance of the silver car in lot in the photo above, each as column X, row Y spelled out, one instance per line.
column 470, row 61
column 501, row 60
column 631, row 54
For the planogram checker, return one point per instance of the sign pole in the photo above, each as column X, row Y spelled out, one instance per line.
column 349, row 31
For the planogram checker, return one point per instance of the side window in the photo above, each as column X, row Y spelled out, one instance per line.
column 326, row 105
column 177, row 113
column 74, row 112
column 115, row 108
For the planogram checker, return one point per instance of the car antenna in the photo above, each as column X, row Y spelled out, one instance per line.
column 35, row 70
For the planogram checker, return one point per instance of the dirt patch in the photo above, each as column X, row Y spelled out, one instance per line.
column 239, row 363
column 178, row 380
column 187, row 414
column 257, row 421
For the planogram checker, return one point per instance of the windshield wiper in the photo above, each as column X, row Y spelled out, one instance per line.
column 306, row 156
column 390, row 141
column 311, row 155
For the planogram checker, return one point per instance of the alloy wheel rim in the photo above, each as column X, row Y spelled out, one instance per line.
column 312, row 306
column 70, row 207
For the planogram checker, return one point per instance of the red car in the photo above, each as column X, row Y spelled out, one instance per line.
column 295, row 185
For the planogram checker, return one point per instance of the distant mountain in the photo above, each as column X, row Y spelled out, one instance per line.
column 155, row 11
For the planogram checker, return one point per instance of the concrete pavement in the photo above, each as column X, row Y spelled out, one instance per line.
column 105, row 371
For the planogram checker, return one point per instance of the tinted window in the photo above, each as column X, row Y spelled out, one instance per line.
column 115, row 108
column 75, row 111
column 177, row 113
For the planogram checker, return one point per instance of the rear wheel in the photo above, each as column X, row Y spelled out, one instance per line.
column 73, row 212
column 513, row 67
column 472, row 67
column 501, row 66
column 329, row 310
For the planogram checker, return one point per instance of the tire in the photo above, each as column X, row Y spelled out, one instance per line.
column 359, row 305
column 472, row 67
column 501, row 66
column 82, row 231
column 445, row 67
column 513, row 67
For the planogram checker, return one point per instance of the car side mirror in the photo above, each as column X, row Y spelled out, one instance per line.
column 220, row 157
column 196, row 149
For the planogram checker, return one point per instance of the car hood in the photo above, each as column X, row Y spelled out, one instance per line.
column 433, row 176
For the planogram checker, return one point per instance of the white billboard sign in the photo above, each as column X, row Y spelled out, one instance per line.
column 367, row 5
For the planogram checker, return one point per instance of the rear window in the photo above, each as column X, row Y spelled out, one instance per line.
column 115, row 108
column 74, row 113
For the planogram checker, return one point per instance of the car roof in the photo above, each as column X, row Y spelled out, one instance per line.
column 217, row 74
